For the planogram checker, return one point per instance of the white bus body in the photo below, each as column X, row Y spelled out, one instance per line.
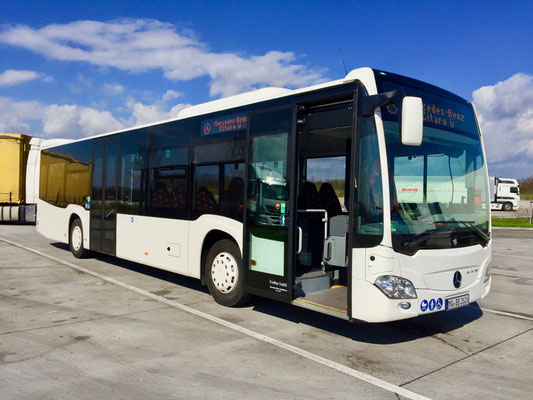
column 415, row 239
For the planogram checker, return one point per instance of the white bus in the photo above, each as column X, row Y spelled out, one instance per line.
column 363, row 198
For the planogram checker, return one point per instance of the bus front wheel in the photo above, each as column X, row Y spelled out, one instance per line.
column 76, row 240
column 224, row 273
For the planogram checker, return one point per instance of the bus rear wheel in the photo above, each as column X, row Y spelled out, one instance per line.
column 507, row 207
column 76, row 240
column 224, row 273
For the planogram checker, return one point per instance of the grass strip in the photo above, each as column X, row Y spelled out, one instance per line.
column 511, row 222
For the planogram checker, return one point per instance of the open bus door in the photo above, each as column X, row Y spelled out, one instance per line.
column 268, row 212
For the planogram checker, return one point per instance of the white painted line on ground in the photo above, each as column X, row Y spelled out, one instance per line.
column 267, row 339
column 509, row 255
column 507, row 314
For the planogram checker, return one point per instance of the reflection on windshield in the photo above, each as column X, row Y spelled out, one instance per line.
column 438, row 190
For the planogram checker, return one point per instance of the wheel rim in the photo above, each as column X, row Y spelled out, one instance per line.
column 76, row 238
column 224, row 272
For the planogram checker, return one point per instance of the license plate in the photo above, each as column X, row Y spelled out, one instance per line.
column 456, row 302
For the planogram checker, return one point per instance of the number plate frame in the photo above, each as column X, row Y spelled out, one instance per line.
column 452, row 303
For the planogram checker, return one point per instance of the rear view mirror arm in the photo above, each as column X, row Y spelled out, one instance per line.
column 368, row 104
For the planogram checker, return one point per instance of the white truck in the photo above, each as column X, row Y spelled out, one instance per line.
column 504, row 194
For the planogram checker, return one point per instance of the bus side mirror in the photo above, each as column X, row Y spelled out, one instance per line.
column 412, row 121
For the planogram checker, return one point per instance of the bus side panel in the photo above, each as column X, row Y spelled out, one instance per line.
column 53, row 222
column 199, row 229
column 157, row 242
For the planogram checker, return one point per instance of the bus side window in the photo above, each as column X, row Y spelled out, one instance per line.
column 168, row 189
column 232, row 199
column 206, row 188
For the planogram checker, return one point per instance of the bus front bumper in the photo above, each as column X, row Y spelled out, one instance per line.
column 370, row 304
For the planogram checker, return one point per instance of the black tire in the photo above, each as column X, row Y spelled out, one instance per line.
column 507, row 206
column 223, row 272
column 74, row 242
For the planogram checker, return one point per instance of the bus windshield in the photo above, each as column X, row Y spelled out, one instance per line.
column 438, row 190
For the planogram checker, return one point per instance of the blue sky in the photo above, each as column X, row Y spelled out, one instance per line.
column 72, row 69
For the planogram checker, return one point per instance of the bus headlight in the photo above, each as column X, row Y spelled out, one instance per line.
column 395, row 287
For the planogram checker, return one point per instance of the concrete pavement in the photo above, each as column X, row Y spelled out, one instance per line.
column 64, row 333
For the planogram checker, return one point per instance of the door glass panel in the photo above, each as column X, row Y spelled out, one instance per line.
column 110, row 197
column 268, row 203
column 97, row 191
column 267, row 266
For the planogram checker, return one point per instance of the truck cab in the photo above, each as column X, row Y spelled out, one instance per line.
column 504, row 194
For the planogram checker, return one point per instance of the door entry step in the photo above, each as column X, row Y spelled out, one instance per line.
column 333, row 301
column 312, row 282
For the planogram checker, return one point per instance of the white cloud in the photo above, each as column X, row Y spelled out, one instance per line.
column 113, row 89
column 71, row 121
column 142, row 45
column 143, row 114
column 53, row 120
column 506, row 118
column 12, row 77
column 171, row 95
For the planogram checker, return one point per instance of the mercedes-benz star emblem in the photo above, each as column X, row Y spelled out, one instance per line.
column 457, row 279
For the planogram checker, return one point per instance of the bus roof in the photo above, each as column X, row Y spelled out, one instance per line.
column 365, row 74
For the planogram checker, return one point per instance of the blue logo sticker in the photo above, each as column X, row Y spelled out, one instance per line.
column 431, row 304
column 282, row 220
column 424, row 305
column 439, row 304
column 132, row 220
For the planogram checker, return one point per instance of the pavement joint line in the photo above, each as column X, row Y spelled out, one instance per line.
column 449, row 344
column 38, row 276
column 509, row 255
column 82, row 321
column 507, row 314
column 509, row 275
column 464, row 358
column 258, row 336
column 503, row 246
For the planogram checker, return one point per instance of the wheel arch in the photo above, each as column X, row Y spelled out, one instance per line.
column 210, row 239
column 73, row 217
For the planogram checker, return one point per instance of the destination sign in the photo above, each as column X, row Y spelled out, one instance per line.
column 443, row 116
column 440, row 110
column 224, row 124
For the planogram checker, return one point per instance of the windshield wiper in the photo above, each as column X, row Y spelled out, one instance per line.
column 421, row 237
column 470, row 224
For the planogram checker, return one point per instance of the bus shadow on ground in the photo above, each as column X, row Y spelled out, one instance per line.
column 374, row 333
column 171, row 277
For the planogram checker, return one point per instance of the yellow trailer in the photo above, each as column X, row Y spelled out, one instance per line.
column 14, row 153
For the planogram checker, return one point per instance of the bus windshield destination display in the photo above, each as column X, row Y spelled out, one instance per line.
column 442, row 116
column 440, row 111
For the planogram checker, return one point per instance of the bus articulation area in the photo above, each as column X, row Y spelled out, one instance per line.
column 362, row 198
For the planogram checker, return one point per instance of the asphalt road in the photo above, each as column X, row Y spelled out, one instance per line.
column 106, row 328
